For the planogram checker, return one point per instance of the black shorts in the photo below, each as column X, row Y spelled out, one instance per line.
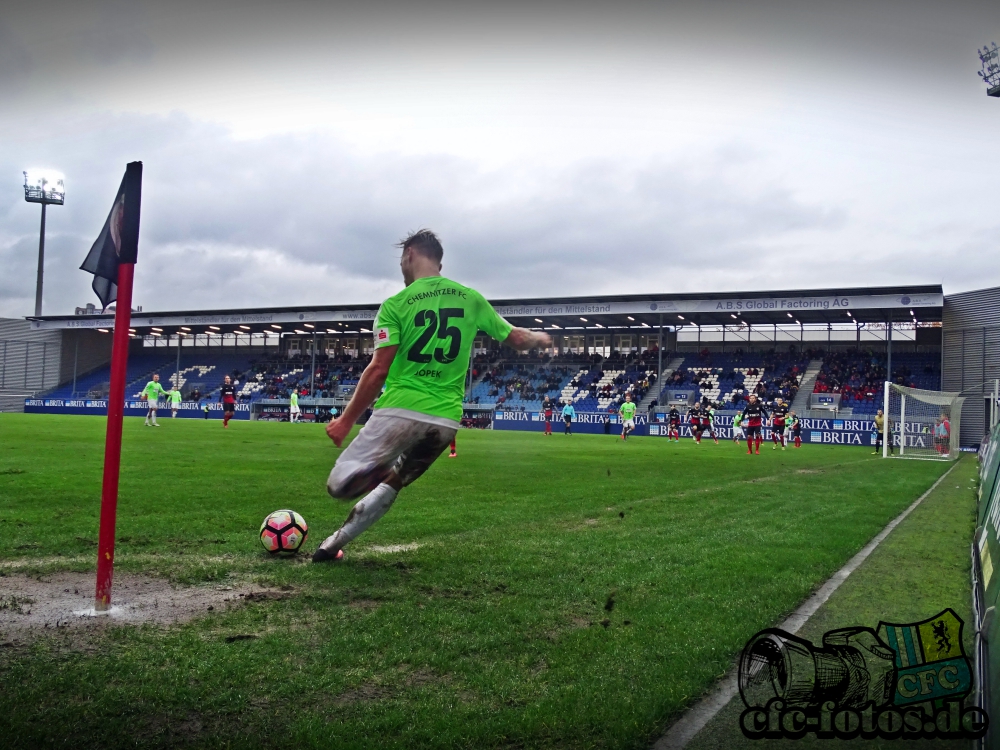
column 548, row 417
column 752, row 431
column 228, row 408
column 675, row 425
column 568, row 419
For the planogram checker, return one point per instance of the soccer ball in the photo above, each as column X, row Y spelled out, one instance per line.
column 283, row 531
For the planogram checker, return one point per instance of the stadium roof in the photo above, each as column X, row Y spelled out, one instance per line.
column 807, row 307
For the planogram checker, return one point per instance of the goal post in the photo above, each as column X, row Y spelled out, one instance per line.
column 922, row 424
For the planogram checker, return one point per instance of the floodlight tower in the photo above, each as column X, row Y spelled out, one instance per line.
column 990, row 58
column 43, row 187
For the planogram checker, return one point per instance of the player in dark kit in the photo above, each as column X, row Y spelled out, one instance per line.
column 796, row 428
column 778, row 414
column 547, row 414
column 694, row 417
column 674, row 424
column 754, row 415
column 227, row 395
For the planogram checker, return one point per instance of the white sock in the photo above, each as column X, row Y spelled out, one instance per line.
column 368, row 510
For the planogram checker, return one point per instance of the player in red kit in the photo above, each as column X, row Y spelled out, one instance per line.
column 778, row 415
column 754, row 415
column 674, row 422
column 227, row 395
column 547, row 415
column 694, row 417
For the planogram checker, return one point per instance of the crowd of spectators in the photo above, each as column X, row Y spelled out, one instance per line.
column 859, row 376
column 527, row 383
column 279, row 377
column 768, row 375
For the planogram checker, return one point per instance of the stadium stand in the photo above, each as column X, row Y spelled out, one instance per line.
column 726, row 380
column 590, row 384
column 859, row 377
column 204, row 369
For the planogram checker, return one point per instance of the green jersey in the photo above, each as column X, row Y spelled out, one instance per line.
column 153, row 391
column 738, row 419
column 175, row 397
column 433, row 321
column 294, row 398
column 627, row 411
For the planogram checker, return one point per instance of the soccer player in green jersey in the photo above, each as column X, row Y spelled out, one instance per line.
column 293, row 406
column 151, row 395
column 627, row 413
column 423, row 338
column 175, row 402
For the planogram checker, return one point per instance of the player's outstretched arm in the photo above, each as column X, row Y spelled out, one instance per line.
column 367, row 390
column 522, row 339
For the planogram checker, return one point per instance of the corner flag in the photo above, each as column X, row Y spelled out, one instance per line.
column 112, row 261
column 118, row 241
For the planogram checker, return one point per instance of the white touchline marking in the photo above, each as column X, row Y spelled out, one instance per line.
column 692, row 721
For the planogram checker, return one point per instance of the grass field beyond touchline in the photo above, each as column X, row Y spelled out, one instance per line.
column 555, row 592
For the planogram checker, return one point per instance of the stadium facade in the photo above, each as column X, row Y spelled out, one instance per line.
column 960, row 332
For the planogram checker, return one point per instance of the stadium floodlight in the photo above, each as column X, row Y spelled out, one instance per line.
column 45, row 187
column 308, row 325
column 103, row 330
column 245, row 328
column 990, row 59
column 584, row 320
column 275, row 325
column 630, row 318
column 681, row 317
column 185, row 328
column 538, row 320
column 157, row 329
column 732, row 316
column 214, row 328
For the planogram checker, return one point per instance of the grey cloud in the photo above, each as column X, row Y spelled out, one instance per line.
column 215, row 208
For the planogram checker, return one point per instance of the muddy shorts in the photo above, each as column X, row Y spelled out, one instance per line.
column 389, row 443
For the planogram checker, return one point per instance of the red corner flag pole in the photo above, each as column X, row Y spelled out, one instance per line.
column 113, row 440
column 119, row 247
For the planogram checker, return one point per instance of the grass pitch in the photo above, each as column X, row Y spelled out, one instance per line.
column 544, row 592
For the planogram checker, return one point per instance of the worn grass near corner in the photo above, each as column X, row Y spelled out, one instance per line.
column 489, row 634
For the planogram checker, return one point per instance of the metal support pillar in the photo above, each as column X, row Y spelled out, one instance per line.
column 76, row 358
column 41, row 261
column 888, row 355
column 312, row 377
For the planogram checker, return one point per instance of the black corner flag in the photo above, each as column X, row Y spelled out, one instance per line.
column 118, row 241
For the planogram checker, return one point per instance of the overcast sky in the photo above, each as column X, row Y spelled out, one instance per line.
column 557, row 148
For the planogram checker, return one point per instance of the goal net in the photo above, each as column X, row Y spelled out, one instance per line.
column 922, row 424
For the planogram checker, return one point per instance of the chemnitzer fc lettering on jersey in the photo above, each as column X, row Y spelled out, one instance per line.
column 434, row 293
